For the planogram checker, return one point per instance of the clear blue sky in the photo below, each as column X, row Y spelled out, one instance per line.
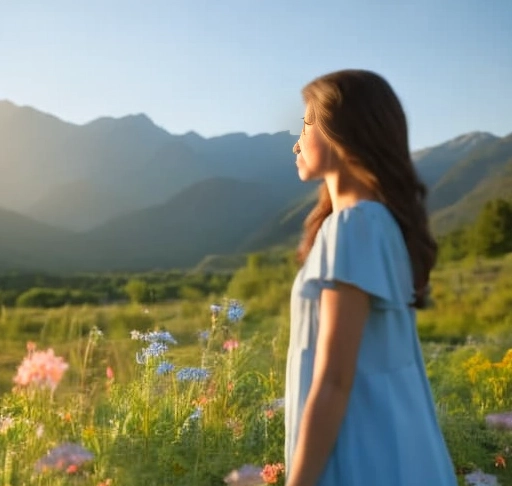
column 220, row 66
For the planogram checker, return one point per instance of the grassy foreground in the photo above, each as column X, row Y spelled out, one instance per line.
column 124, row 408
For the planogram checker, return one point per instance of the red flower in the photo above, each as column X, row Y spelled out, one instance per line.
column 499, row 461
column 72, row 469
column 272, row 472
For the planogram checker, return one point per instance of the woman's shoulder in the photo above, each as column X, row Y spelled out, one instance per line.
column 363, row 209
column 364, row 219
column 362, row 245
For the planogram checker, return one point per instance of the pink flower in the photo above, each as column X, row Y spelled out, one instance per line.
column 272, row 472
column 110, row 373
column 247, row 475
column 230, row 344
column 41, row 369
column 269, row 414
column 31, row 346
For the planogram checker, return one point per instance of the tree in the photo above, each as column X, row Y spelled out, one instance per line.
column 138, row 291
column 43, row 297
column 493, row 229
column 255, row 261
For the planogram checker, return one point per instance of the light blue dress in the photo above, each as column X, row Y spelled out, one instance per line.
column 390, row 434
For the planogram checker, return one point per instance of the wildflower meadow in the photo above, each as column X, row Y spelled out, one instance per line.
column 192, row 393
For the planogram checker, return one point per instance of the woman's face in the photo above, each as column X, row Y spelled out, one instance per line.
column 314, row 159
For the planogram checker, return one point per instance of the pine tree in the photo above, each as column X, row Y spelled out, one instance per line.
column 493, row 229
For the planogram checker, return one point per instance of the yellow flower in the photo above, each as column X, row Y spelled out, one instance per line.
column 507, row 359
column 88, row 432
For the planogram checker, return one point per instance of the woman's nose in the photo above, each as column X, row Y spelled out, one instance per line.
column 296, row 148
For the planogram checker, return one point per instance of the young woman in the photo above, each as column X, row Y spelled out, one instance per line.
column 359, row 410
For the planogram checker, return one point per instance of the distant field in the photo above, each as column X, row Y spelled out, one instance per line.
column 127, row 415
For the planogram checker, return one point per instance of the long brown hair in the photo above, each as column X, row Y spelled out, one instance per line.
column 362, row 118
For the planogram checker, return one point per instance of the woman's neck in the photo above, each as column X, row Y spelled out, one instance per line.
column 345, row 192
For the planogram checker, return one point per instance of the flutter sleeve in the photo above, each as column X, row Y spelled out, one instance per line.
column 362, row 247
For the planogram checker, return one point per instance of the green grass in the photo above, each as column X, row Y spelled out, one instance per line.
column 139, row 425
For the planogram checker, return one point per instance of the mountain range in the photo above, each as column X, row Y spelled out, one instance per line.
column 124, row 194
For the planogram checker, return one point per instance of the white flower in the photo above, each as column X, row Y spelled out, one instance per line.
column 135, row 335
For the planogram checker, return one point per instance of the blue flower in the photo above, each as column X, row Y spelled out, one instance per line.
column 155, row 336
column 204, row 335
column 164, row 368
column 156, row 349
column 235, row 311
column 276, row 404
column 196, row 414
column 152, row 351
column 192, row 374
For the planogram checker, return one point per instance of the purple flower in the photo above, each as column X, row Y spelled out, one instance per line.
column 499, row 420
column 64, row 456
column 479, row 478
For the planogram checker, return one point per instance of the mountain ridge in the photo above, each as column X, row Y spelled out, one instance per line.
column 122, row 193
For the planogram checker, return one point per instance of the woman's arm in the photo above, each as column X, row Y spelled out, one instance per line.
column 343, row 314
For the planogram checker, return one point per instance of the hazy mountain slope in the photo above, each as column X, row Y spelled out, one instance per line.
column 80, row 205
column 121, row 164
column 27, row 244
column 210, row 217
column 265, row 158
column 466, row 209
column 483, row 162
column 30, row 162
column 85, row 204
column 434, row 162
column 283, row 229
column 150, row 199
column 172, row 169
column 41, row 152
column 477, row 148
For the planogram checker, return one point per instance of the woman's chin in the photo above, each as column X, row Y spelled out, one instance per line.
column 303, row 174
